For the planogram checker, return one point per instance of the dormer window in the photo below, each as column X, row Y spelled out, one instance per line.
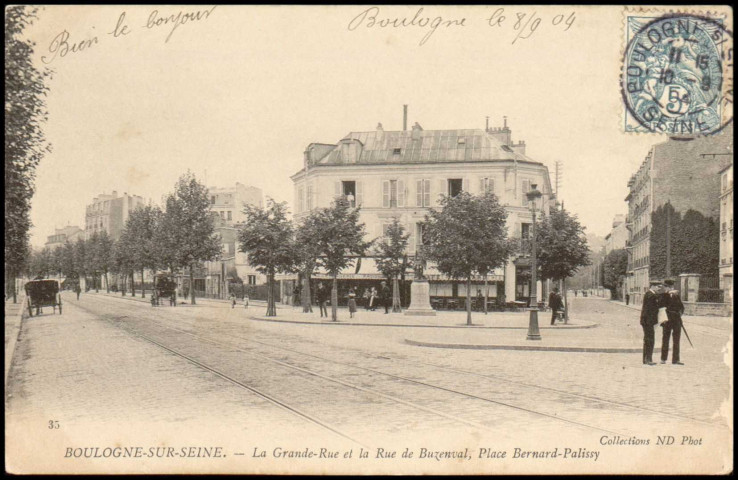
column 461, row 140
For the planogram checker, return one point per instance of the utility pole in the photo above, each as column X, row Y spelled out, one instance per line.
column 559, row 178
column 668, row 239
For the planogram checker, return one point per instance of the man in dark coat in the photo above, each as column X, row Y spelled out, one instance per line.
column 321, row 295
column 385, row 296
column 674, row 311
column 555, row 303
column 652, row 301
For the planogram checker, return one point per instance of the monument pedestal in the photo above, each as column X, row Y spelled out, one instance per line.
column 420, row 299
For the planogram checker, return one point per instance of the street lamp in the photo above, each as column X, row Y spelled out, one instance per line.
column 533, row 332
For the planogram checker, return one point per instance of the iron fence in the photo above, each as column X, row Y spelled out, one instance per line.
column 710, row 290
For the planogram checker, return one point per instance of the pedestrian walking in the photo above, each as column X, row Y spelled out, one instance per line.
column 555, row 303
column 575, row 293
column 385, row 297
column 173, row 299
column 321, row 295
column 652, row 301
column 77, row 290
column 352, row 302
column 373, row 299
column 246, row 301
column 627, row 299
column 233, row 300
column 480, row 300
column 673, row 326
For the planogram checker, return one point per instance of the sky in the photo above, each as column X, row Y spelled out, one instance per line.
column 238, row 94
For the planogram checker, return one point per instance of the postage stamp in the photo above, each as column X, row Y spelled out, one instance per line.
column 677, row 73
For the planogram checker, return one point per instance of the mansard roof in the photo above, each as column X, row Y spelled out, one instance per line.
column 421, row 146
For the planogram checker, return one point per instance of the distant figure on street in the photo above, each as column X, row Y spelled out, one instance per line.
column 296, row 294
column 173, row 299
column 246, row 301
column 674, row 312
column 652, row 301
column 373, row 299
column 321, row 295
column 575, row 293
column 385, row 296
column 367, row 294
column 233, row 300
column 480, row 300
column 77, row 290
column 555, row 303
column 627, row 299
column 352, row 301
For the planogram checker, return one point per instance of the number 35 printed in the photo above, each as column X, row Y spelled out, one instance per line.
column 53, row 424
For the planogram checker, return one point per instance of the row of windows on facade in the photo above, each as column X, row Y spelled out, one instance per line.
column 99, row 206
column 227, row 199
column 225, row 215
column 522, row 230
column 394, row 192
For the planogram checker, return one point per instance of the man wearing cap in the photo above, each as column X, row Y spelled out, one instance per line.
column 674, row 311
column 652, row 301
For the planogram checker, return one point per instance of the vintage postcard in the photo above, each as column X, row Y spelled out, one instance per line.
column 368, row 239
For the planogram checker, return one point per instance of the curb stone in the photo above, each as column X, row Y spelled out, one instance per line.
column 530, row 348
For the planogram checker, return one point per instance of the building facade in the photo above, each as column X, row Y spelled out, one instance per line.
column 618, row 236
column 726, row 231
column 402, row 174
column 227, row 205
column 228, row 202
column 70, row 233
column 109, row 213
column 683, row 173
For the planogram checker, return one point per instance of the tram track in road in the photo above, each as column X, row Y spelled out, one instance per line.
column 420, row 383
column 108, row 318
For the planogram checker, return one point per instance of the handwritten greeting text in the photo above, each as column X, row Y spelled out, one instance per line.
column 63, row 44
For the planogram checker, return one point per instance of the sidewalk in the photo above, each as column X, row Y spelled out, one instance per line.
column 722, row 323
column 13, row 317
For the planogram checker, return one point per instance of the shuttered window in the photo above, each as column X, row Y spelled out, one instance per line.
column 525, row 189
column 422, row 193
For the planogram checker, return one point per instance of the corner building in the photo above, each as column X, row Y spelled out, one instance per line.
column 403, row 174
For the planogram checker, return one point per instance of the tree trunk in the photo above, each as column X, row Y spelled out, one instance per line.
column 192, row 284
column 143, row 287
column 396, row 295
column 133, row 285
column 123, row 286
column 566, row 301
column 486, row 293
column 307, row 304
column 334, row 299
column 98, row 279
column 271, row 307
column 107, row 283
column 468, row 301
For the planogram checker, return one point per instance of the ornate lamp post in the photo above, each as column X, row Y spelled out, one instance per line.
column 533, row 332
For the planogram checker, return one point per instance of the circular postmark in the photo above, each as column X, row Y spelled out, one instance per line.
column 677, row 76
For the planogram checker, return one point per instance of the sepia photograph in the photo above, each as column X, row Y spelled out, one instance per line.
column 368, row 240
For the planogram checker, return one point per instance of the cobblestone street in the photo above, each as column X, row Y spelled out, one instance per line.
column 207, row 374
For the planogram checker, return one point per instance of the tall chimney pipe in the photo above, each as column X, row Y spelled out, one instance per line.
column 404, row 118
column 486, row 128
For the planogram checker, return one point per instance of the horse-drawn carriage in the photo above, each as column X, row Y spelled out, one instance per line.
column 43, row 293
column 164, row 287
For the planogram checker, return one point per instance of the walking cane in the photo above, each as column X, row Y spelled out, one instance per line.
column 687, row 335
